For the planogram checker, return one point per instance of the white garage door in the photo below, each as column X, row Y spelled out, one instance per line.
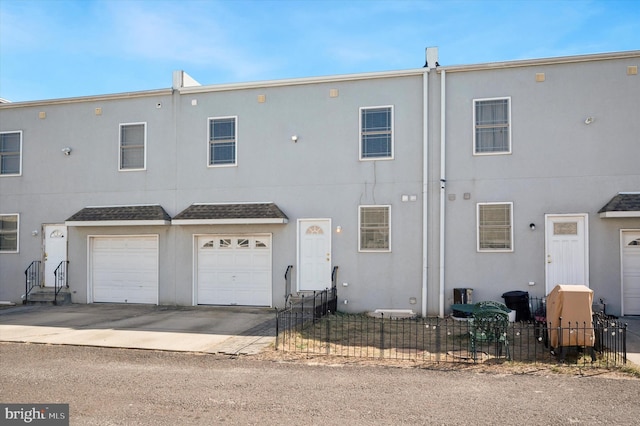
column 234, row 270
column 631, row 272
column 124, row 269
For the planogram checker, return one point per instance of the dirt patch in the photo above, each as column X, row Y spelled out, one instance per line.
column 485, row 365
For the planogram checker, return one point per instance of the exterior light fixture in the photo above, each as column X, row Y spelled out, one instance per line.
column 532, row 226
column 66, row 150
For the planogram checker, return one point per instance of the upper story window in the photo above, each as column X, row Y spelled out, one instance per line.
column 492, row 126
column 222, row 141
column 374, row 228
column 376, row 133
column 10, row 153
column 9, row 233
column 133, row 142
column 495, row 227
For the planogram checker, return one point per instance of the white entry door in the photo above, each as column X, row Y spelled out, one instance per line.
column 630, row 272
column 314, row 254
column 55, row 251
column 567, row 250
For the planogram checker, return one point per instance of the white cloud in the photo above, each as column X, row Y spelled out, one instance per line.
column 184, row 34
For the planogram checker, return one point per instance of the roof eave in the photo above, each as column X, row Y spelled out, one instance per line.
column 117, row 222
column 237, row 221
column 619, row 214
column 631, row 54
column 92, row 98
column 302, row 81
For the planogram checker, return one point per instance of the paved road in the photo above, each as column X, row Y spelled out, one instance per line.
column 112, row 386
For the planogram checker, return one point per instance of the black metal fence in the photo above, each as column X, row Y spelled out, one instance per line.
column 449, row 339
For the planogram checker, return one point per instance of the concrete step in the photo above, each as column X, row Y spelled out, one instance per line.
column 46, row 295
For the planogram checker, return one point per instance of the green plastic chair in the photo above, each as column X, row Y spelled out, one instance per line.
column 490, row 304
column 489, row 325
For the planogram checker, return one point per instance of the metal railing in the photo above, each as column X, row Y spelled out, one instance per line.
column 61, row 279
column 439, row 340
column 32, row 278
column 287, row 283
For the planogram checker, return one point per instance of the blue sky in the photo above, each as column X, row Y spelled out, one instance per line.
column 58, row 48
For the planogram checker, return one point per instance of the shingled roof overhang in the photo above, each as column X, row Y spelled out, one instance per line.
column 230, row 214
column 134, row 215
column 625, row 204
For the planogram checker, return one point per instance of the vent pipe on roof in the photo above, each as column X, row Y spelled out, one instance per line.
column 182, row 79
column 431, row 58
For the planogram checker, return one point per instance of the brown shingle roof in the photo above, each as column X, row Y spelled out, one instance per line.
column 625, row 204
column 231, row 213
column 135, row 214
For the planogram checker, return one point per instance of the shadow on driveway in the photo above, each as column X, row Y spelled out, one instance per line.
column 207, row 329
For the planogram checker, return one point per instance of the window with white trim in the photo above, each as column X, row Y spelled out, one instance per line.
column 222, row 141
column 495, row 227
column 10, row 153
column 374, row 228
column 133, row 142
column 492, row 126
column 376, row 133
column 9, row 227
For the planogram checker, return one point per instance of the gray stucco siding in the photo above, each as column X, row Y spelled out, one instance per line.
column 558, row 165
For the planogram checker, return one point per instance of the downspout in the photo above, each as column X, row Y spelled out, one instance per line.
column 443, row 182
column 425, row 186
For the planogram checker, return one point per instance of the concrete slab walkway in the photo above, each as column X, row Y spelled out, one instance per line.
column 218, row 330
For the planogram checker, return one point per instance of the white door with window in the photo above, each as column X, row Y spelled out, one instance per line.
column 233, row 270
column 630, row 272
column 567, row 250
column 314, row 254
column 55, row 251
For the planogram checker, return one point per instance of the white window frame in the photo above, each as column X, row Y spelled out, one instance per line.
column 144, row 148
column 511, row 241
column 509, row 126
column 20, row 153
column 235, row 147
column 17, row 216
column 370, row 250
column 361, row 134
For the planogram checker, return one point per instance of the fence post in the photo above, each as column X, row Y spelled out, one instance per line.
column 314, row 306
column 277, row 327
column 438, row 340
column 624, row 343
column 328, row 330
column 382, row 335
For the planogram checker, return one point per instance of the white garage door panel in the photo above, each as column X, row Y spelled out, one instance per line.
column 125, row 269
column 234, row 270
column 631, row 273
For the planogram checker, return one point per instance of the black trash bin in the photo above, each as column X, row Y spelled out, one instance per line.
column 519, row 302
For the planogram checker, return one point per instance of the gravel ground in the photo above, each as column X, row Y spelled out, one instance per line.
column 135, row 387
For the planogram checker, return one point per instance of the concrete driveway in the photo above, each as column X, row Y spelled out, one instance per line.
column 220, row 330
